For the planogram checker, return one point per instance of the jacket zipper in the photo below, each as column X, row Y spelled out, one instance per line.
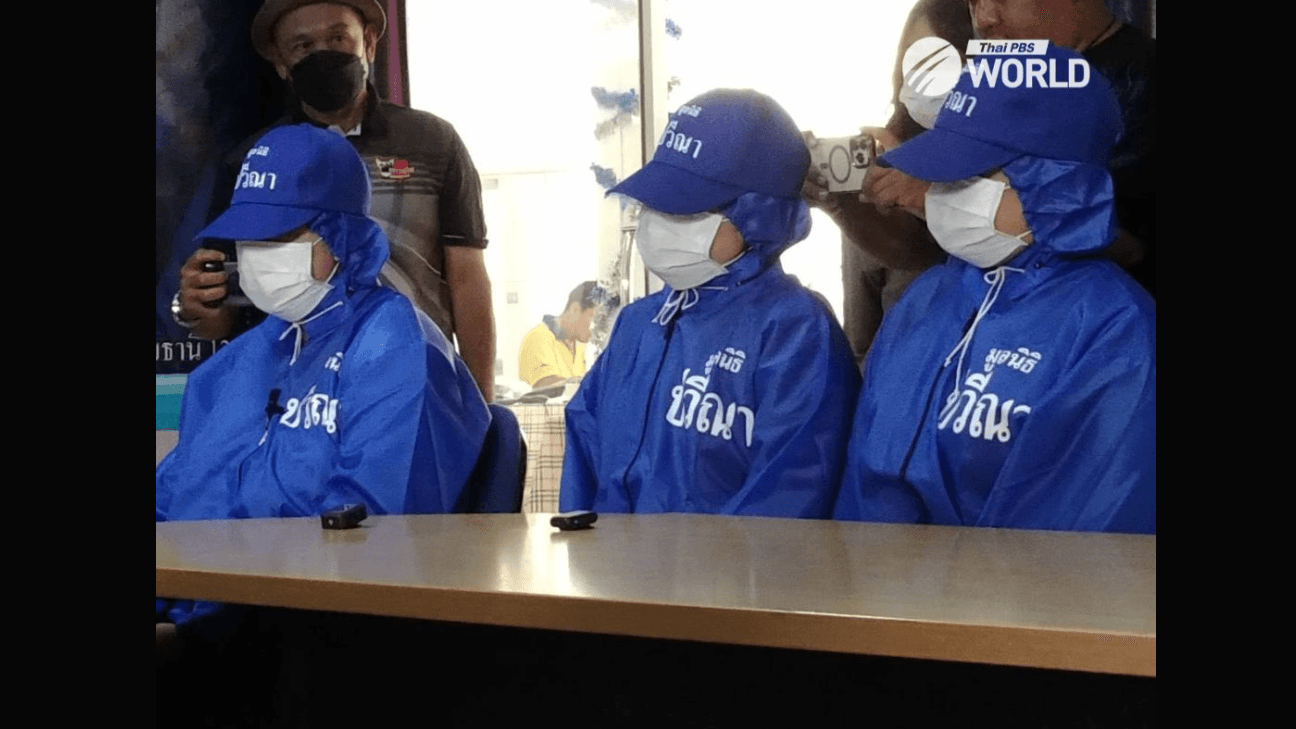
column 922, row 423
column 643, row 430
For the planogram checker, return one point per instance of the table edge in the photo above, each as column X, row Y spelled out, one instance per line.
column 1062, row 649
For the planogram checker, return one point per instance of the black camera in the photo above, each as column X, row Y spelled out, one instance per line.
column 234, row 295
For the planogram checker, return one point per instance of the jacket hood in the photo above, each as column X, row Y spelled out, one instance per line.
column 359, row 245
column 769, row 225
column 1069, row 206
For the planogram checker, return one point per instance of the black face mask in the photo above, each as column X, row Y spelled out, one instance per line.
column 328, row 80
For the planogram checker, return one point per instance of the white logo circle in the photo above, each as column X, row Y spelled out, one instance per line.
column 931, row 67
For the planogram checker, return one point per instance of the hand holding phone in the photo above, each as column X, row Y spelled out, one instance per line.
column 234, row 295
column 843, row 161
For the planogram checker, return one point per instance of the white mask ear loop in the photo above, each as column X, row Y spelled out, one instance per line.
column 1019, row 236
column 728, row 263
column 296, row 326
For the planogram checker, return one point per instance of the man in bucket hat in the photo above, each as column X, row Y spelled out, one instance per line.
column 730, row 391
column 426, row 190
column 1015, row 384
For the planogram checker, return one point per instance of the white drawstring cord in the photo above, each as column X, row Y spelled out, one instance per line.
column 297, row 326
column 675, row 302
column 996, row 279
column 678, row 301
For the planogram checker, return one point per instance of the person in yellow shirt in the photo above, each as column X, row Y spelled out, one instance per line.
column 555, row 350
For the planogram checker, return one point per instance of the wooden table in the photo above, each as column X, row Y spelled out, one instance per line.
column 1074, row 601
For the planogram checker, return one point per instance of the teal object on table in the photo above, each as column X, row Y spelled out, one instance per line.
column 170, row 392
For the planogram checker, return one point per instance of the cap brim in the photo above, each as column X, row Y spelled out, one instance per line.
column 673, row 191
column 252, row 221
column 939, row 155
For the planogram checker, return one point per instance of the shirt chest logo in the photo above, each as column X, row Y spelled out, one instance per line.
column 394, row 169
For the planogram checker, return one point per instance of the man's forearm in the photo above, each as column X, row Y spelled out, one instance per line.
column 474, row 318
column 216, row 326
column 475, row 333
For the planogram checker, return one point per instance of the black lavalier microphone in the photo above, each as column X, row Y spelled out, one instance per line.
column 273, row 407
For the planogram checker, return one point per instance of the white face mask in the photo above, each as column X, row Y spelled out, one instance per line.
column 277, row 277
column 678, row 247
column 960, row 216
column 922, row 108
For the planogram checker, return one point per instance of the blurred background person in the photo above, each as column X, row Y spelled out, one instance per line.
column 554, row 351
column 883, row 249
column 1126, row 56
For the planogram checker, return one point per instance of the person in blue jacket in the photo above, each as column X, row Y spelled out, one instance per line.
column 1015, row 384
column 731, row 390
column 344, row 394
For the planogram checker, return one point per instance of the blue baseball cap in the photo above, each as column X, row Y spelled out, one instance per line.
column 718, row 147
column 290, row 176
column 985, row 123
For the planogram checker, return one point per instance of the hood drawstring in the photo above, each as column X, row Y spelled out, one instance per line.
column 996, row 279
column 678, row 301
column 297, row 327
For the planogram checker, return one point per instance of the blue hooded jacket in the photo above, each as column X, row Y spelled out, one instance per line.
column 731, row 398
column 376, row 408
column 1039, row 413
